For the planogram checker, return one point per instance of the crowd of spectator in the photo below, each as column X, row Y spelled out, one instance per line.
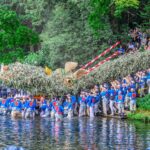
column 138, row 39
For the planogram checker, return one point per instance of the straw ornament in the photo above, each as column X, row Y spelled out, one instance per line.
column 34, row 79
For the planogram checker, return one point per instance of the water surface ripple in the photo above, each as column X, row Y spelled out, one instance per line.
column 75, row 134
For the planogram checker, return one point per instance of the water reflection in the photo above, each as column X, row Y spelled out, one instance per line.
column 75, row 134
column 13, row 148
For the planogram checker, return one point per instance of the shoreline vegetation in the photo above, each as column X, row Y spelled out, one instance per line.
column 140, row 115
column 143, row 111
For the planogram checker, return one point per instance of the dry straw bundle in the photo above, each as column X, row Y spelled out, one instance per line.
column 32, row 79
column 80, row 73
column 70, row 66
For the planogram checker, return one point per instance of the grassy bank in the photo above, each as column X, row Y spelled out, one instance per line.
column 143, row 111
column 141, row 115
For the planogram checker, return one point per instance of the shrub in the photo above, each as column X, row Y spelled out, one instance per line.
column 144, row 103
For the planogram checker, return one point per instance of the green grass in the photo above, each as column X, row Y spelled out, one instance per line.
column 141, row 115
column 143, row 111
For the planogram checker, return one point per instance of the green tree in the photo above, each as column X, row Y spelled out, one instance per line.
column 145, row 14
column 122, row 6
column 34, row 13
column 118, row 12
column 15, row 38
column 67, row 36
column 72, row 30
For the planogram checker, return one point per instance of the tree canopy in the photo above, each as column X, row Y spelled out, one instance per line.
column 68, row 30
column 15, row 37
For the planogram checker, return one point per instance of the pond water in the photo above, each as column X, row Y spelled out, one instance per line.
column 75, row 134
